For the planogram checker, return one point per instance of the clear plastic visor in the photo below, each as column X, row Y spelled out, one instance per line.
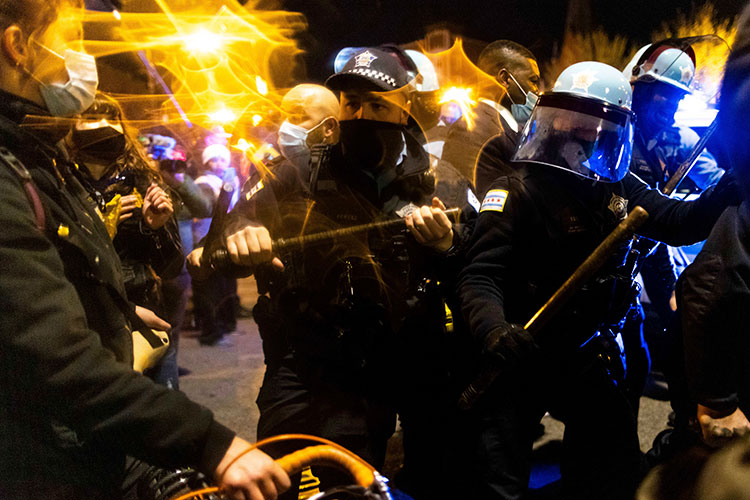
column 588, row 137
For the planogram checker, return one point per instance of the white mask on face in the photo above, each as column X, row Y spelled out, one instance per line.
column 293, row 143
column 77, row 95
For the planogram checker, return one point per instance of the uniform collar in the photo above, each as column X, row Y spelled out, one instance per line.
column 507, row 115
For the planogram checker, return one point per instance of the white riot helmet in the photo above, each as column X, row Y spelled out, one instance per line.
column 584, row 125
column 667, row 64
column 429, row 79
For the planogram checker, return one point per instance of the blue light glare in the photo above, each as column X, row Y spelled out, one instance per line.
column 343, row 57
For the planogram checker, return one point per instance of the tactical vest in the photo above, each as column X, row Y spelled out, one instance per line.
column 345, row 297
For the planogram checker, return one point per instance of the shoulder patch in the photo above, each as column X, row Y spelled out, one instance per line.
column 494, row 200
column 254, row 190
column 472, row 199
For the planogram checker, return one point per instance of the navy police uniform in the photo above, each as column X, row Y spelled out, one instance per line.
column 533, row 230
column 349, row 324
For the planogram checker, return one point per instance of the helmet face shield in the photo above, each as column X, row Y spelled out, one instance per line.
column 588, row 137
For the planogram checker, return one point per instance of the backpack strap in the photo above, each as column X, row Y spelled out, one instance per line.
column 9, row 159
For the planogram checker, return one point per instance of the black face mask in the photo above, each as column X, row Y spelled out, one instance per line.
column 105, row 143
column 372, row 145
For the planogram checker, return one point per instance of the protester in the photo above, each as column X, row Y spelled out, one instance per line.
column 215, row 296
column 73, row 406
column 137, row 211
column 714, row 295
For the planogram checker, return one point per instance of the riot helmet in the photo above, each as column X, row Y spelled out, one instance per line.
column 584, row 125
column 662, row 76
column 663, row 62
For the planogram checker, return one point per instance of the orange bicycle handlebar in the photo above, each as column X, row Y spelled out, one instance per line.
column 327, row 455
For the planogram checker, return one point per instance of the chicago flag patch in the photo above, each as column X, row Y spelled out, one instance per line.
column 494, row 200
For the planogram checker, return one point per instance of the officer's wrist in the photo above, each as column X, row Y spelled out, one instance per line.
column 444, row 245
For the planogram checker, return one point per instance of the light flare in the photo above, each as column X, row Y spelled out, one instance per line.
column 242, row 145
column 217, row 62
column 223, row 116
column 461, row 81
column 203, row 41
column 261, row 85
column 462, row 97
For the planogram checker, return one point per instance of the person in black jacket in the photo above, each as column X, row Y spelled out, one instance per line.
column 358, row 319
column 534, row 228
column 501, row 113
column 138, row 211
column 713, row 291
column 72, row 406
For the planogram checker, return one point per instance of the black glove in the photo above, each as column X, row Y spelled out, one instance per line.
column 728, row 189
column 510, row 345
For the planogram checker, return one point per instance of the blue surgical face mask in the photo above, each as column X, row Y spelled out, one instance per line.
column 522, row 112
column 77, row 94
column 293, row 142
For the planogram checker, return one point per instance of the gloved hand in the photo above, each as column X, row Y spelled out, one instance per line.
column 728, row 190
column 510, row 345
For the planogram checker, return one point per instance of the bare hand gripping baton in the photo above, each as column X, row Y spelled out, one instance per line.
column 220, row 257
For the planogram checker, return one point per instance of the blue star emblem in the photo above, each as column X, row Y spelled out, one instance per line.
column 686, row 74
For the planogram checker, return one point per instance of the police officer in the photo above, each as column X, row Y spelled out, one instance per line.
column 499, row 117
column 534, row 228
column 310, row 118
column 661, row 76
column 357, row 317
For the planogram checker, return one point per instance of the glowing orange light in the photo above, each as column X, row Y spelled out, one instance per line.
column 203, row 41
column 462, row 82
column 222, row 63
column 242, row 145
column 462, row 97
column 223, row 115
column 261, row 85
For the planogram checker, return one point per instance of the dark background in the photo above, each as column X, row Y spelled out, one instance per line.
column 538, row 24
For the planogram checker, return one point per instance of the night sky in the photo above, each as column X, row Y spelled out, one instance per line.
column 538, row 24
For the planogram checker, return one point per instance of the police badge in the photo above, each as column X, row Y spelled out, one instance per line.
column 618, row 206
column 364, row 59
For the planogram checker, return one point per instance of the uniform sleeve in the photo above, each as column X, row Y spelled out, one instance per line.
column 260, row 197
column 52, row 362
column 494, row 161
column 678, row 222
column 482, row 283
column 712, row 294
column 706, row 171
